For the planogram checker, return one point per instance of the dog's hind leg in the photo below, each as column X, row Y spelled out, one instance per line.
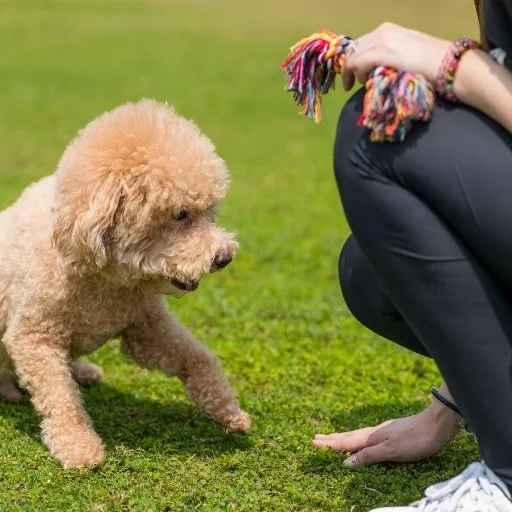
column 8, row 380
column 8, row 388
column 86, row 373
column 10, row 392
column 159, row 342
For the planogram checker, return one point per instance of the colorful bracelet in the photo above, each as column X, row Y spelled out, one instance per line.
column 449, row 66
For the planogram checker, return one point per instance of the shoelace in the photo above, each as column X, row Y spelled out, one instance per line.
column 446, row 496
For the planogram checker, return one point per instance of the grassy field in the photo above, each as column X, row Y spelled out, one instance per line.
column 276, row 318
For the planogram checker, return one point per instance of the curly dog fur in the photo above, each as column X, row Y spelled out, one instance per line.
column 87, row 255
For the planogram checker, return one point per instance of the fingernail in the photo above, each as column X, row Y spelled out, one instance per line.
column 351, row 462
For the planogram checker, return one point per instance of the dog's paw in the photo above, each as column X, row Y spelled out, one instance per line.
column 239, row 423
column 85, row 373
column 75, row 447
column 10, row 392
column 82, row 456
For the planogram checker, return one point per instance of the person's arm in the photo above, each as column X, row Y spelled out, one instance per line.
column 485, row 85
column 479, row 82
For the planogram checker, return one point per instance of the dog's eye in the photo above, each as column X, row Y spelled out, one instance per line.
column 181, row 215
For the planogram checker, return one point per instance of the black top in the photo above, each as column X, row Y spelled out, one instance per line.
column 498, row 29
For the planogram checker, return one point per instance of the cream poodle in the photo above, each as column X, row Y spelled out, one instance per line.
column 87, row 255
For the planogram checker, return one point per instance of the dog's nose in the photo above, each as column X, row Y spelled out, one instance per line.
column 222, row 259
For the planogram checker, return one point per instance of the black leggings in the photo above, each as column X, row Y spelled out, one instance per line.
column 429, row 262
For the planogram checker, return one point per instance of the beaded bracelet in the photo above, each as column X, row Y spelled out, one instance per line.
column 449, row 66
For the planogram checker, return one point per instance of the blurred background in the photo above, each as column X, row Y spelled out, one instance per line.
column 276, row 317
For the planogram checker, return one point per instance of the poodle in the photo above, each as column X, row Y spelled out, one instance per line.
column 88, row 253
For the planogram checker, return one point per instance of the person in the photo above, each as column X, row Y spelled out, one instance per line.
column 429, row 262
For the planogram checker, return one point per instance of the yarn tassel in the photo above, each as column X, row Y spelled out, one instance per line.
column 311, row 69
column 393, row 102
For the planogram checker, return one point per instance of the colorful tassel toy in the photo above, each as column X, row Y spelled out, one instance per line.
column 393, row 101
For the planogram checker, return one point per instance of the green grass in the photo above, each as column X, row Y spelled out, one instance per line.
column 276, row 318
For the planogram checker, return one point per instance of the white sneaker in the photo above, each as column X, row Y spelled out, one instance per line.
column 476, row 489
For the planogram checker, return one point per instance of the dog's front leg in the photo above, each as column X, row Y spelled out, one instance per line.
column 160, row 342
column 43, row 368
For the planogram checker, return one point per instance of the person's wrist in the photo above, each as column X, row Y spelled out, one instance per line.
column 439, row 48
column 444, row 422
column 449, row 69
column 464, row 80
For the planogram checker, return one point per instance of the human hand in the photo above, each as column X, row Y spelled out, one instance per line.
column 402, row 440
column 396, row 47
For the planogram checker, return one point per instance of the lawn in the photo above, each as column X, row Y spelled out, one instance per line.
column 275, row 317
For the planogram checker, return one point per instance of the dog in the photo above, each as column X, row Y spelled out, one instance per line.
column 89, row 253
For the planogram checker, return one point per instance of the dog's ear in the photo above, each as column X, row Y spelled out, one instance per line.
column 81, row 221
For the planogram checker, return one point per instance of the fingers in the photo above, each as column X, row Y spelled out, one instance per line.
column 368, row 456
column 363, row 61
column 377, row 48
column 350, row 441
column 347, row 76
column 360, row 61
column 369, row 445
